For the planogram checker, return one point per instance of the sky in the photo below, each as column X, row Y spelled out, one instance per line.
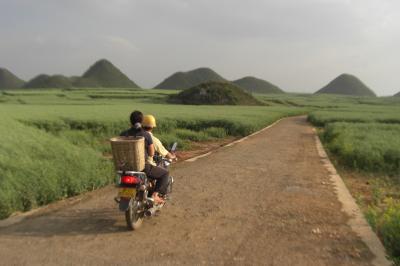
column 299, row 45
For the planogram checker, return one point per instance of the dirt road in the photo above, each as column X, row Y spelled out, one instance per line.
column 265, row 201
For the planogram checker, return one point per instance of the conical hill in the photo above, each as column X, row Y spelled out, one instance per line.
column 9, row 81
column 185, row 80
column 347, row 84
column 104, row 74
column 46, row 81
column 256, row 85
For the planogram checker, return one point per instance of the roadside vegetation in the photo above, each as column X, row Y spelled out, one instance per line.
column 54, row 142
column 364, row 142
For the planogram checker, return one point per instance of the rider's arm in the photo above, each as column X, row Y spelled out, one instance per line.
column 151, row 150
column 159, row 147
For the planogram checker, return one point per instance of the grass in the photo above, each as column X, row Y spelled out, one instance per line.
column 369, row 147
column 364, row 137
column 54, row 140
column 37, row 168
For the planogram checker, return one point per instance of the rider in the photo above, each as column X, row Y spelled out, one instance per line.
column 148, row 124
column 151, row 170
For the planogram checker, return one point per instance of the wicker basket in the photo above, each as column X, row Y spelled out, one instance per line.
column 128, row 153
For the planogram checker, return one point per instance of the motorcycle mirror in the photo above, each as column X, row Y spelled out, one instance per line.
column 173, row 148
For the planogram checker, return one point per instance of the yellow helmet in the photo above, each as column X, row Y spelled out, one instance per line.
column 149, row 121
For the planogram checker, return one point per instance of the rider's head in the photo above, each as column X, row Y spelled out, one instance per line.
column 136, row 118
column 149, row 122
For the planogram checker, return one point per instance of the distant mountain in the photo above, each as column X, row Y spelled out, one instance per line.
column 214, row 93
column 185, row 80
column 397, row 94
column 104, row 74
column 9, row 81
column 256, row 85
column 46, row 81
column 347, row 84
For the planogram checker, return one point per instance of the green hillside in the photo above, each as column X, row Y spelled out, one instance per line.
column 256, row 85
column 9, row 81
column 46, row 81
column 185, row 80
column 347, row 84
column 214, row 93
column 104, row 74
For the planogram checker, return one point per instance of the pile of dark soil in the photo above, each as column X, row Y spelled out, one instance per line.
column 214, row 93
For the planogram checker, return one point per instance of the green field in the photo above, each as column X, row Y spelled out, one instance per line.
column 54, row 142
column 365, row 138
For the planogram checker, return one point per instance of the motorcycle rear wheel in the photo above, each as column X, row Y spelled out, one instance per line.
column 133, row 218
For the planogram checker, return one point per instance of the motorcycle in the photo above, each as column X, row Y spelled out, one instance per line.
column 135, row 191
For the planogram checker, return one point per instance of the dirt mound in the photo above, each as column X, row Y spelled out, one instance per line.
column 9, row 81
column 347, row 84
column 214, row 93
column 256, row 85
column 46, row 81
column 104, row 74
column 185, row 80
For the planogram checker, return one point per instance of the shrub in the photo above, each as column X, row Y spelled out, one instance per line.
column 216, row 132
column 388, row 227
column 369, row 147
column 188, row 134
column 37, row 168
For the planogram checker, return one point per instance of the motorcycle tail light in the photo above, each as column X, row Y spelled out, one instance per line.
column 130, row 180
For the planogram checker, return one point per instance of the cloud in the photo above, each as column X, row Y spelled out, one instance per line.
column 119, row 43
column 298, row 44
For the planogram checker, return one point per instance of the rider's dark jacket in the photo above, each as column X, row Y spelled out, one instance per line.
column 136, row 132
column 152, row 171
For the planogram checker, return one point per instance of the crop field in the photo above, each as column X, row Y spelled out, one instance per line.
column 365, row 138
column 54, row 142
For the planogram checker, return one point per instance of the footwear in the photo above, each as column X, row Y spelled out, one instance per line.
column 157, row 199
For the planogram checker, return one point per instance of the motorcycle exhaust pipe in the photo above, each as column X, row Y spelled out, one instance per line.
column 151, row 211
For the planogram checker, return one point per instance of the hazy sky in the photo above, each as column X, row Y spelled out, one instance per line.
column 300, row 45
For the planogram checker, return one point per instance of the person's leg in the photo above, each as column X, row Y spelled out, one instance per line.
column 161, row 175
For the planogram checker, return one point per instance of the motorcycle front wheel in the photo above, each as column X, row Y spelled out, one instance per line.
column 133, row 217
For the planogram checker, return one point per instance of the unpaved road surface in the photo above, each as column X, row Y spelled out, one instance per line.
column 264, row 201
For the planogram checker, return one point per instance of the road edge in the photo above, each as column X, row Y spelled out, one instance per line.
column 54, row 206
column 357, row 221
column 193, row 159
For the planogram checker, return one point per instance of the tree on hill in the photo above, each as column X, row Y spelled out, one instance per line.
column 9, row 81
column 214, row 93
column 104, row 74
column 185, row 80
column 46, row 81
column 256, row 85
column 347, row 84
